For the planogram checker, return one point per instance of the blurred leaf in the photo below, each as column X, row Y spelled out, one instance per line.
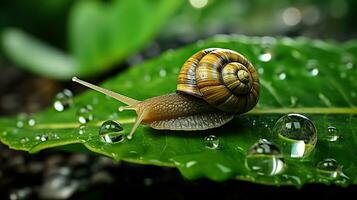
column 31, row 53
column 327, row 96
column 100, row 35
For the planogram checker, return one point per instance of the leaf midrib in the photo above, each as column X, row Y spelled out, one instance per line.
column 257, row 111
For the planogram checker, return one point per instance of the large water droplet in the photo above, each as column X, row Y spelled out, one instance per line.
column 63, row 100
column 329, row 168
column 264, row 158
column 295, row 134
column 111, row 132
column 85, row 114
column 212, row 142
column 332, row 134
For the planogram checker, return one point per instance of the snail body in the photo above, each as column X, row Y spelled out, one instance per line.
column 213, row 85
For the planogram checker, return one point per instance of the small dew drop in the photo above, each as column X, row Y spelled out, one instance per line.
column 22, row 120
column 265, row 57
column 295, row 134
column 329, row 168
column 31, row 122
column 293, row 101
column 261, row 70
column 19, row 124
column 162, row 72
column 264, row 158
column 63, row 100
column 254, row 122
column 41, row 138
column 111, row 132
column 85, row 114
column 147, row 78
column 24, row 140
column 44, row 138
column 332, row 134
column 212, row 142
column 282, row 76
column 82, row 129
column 314, row 71
column 198, row 4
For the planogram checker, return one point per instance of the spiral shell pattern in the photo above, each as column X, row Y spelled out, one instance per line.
column 223, row 78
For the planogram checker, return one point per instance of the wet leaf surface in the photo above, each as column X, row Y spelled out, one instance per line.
column 309, row 77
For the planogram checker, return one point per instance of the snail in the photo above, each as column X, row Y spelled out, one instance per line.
column 213, row 85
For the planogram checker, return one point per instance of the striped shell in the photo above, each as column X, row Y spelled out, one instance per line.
column 223, row 78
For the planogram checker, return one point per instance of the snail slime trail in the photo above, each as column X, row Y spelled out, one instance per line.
column 213, row 85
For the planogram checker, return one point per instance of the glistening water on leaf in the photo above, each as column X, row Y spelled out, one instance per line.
column 188, row 150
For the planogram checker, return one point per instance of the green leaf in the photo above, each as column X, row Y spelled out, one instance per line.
column 100, row 35
column 327, row 96
column 31, row 53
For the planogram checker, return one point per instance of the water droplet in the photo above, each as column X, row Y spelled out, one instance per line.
column 260, row 70
column 254, row 122
column 21, row 194
column 282, row 76
column 264, row 158
column 24, row 140
column 63, row 100
column 332, row 134
column 85, row 114
column 265, row 57
column 347, row 61
column 211, row 141
column 314, row 71
column 295, row 134
column 31, row 122
column 21, row 120
column 162, row 72
column 82, row 129
column 343, row 75
column 147, row 77
column 111, row 132
column 293, row 101
column 42, row 138
column 329, row 168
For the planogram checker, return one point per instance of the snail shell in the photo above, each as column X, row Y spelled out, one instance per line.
column 223, row 78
